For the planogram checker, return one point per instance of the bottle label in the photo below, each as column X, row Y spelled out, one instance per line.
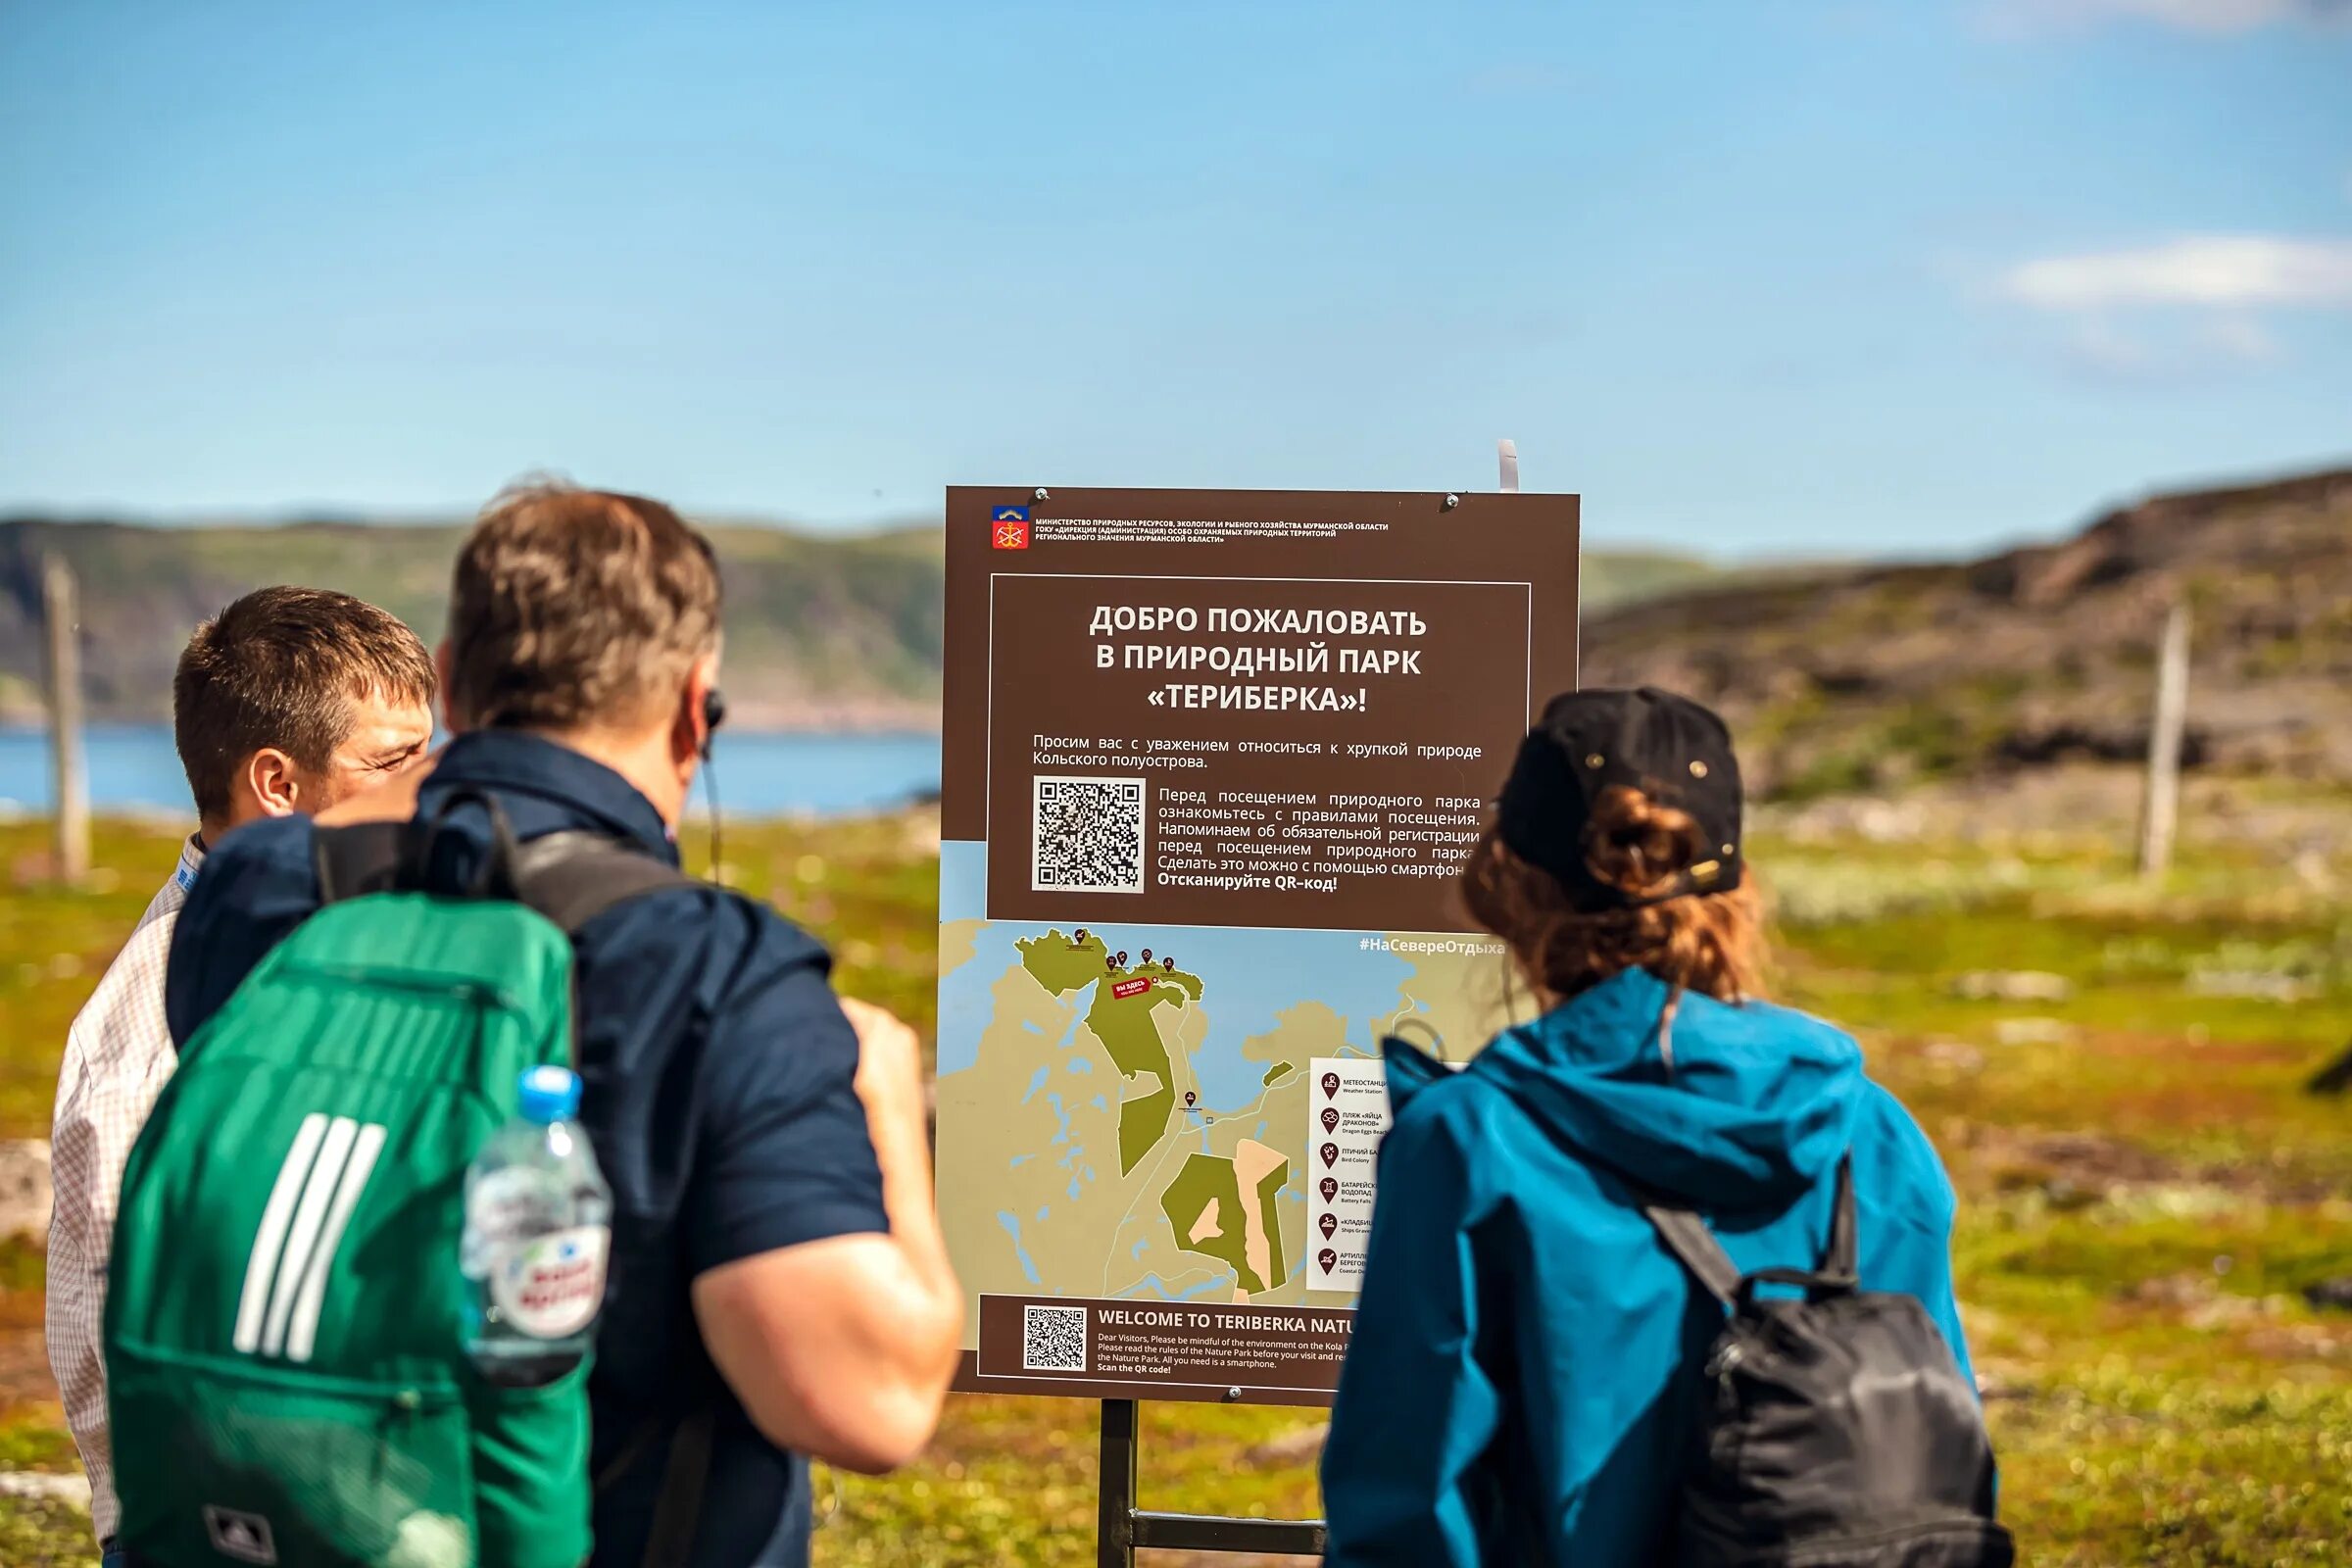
column 508, row 1203
column 551, row 1285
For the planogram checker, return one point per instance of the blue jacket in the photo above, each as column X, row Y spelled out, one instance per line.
column 1519, row 1387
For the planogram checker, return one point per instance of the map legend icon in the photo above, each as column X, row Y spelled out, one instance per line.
column 1345, row 1132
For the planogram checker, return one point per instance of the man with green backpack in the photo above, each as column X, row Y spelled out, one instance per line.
column 356, row 1005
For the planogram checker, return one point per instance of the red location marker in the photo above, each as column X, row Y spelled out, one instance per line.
column 1330, row 1084
column 1147, row 955
column 1330, row 1187
column 1331, row 1156
column 1327, row 1224
column 1329, row 1259
column 1189, row 1097
column 1331, row 1120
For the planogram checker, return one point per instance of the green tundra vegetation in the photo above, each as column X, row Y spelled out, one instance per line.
column 2115, row 1073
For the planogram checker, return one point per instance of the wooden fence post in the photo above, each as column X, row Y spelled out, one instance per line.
column 61, row 614
column 2160, row 814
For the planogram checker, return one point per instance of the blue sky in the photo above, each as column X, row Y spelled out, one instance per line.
column 1754, row 279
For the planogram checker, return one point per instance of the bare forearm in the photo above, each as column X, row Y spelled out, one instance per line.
column 840, row 1348
column 921, row 1321
column 903, row 1148
column 907, row 1195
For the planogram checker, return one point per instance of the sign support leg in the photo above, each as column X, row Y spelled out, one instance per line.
column 1122, row 1526
column 1115, row 1532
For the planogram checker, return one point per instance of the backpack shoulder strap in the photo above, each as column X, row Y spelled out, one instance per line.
column 362, row 859
column 1688, row 1238
column 678, row 1508
column 572, row 877
column 1687, row 1235
column 1842, row 1260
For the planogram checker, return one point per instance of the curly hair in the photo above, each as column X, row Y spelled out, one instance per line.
column 1711, row 942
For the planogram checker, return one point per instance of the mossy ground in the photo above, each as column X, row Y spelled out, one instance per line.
column 2145, row 1188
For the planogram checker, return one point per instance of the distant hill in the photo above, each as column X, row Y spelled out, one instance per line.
column 823, row 631
column 1865, row 679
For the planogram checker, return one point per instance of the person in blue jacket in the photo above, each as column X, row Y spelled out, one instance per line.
column 1524, row 1373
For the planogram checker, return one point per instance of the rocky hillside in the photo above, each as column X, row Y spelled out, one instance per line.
column 823, row 632
column 1861, row 679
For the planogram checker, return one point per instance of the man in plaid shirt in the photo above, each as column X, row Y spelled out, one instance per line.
column 289, row 701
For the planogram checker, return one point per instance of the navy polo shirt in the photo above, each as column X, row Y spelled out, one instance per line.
column 718, row 1071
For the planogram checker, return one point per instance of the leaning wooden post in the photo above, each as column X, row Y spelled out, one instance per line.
column 61, row 614
column 2161, row 813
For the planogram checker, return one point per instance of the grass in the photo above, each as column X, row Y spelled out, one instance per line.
column 2145, row 1188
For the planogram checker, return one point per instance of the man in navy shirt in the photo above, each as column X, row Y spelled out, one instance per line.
column 772, row 1213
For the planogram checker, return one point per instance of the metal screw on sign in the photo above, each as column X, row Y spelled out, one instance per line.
column 1233, row 1396
column 1452, row 501
column 1041, row 495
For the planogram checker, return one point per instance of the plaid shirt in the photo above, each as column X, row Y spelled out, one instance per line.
column 117, row 1057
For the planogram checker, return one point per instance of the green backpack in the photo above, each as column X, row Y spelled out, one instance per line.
column 286, row 1381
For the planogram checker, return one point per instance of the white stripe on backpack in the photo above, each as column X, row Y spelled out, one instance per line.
column 312, row 1295
column 302, row 1225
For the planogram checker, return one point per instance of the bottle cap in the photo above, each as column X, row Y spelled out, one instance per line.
column 549, row 1094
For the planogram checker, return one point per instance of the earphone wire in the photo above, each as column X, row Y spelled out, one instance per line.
column 718, row 864
column 715, row 714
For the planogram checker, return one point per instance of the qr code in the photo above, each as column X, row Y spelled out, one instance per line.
column 1089, row 836
column 1052, row 1338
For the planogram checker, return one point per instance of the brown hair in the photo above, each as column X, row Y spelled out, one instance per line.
column 281, row 667
column 1710, row 942
column 577, row 606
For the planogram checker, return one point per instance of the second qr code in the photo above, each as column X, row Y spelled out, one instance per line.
column 1089, row 836
column 1052, row 1338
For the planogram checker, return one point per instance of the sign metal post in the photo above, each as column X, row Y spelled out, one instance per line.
column 1125, row 1525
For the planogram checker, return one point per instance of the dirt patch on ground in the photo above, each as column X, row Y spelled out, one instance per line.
column 2091, row 1161
column 24, row 1188
column 25, row 1386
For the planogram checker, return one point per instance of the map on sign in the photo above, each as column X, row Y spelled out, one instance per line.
column 1131, row 1112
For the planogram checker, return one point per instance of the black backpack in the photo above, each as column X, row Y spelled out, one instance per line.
column 1833, row 1431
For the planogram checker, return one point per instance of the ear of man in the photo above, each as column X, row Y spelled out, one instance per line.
column 695, row 716
column 273, row 784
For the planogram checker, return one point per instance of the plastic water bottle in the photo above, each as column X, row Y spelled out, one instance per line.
column 538, row 1232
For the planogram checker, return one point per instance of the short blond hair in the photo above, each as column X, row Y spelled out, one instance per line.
column 573, row 607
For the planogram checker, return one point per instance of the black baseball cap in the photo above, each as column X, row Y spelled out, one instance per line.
column 1668, row 747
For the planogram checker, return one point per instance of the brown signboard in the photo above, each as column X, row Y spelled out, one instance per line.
column 1212, row 762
